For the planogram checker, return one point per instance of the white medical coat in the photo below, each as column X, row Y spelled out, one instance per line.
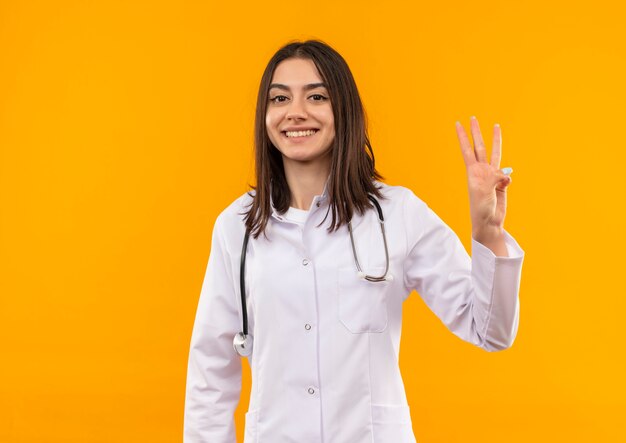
column 325, row 357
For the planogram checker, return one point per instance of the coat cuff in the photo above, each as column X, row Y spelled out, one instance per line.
column 513, row 249
column 497, row 280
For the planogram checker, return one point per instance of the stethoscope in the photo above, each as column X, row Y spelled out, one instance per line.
column 242, row 342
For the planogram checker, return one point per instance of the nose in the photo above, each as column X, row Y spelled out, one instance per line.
column 297, row 110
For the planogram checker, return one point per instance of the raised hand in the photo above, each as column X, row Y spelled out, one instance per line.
column 486, row 184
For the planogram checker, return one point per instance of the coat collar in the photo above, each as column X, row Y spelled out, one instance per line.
column 317, row 202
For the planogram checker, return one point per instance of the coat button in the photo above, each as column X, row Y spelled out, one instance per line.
column 305, row 262
column 311, row 391
column 318, row 204
column 307, row 327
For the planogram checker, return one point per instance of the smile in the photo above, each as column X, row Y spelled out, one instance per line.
column 293, row 134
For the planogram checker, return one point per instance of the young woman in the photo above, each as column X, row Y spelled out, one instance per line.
column 324, row 278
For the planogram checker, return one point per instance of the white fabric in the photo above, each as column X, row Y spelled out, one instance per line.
column 326, row 344
column 296, row 215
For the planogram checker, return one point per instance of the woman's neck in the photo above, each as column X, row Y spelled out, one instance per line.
column 305, row 182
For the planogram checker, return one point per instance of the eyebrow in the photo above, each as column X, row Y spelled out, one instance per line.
column 305, row 87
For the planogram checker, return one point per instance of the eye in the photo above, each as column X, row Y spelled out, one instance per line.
column 278, row 99
column 318, row 97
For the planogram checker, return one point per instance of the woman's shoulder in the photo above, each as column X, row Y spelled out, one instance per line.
column 239, row 206
column 398, row 194
column 231, row 219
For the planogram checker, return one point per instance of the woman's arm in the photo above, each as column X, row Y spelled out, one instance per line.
column 477, row 297
column 214, row 368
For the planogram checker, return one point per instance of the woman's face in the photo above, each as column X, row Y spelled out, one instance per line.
column 299, row 118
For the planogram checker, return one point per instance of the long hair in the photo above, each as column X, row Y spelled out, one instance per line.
column 352, row 171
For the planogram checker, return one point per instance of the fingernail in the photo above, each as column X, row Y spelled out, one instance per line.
column 497, row 125
column 472, row 118
column 507, row 171
column 458, row 123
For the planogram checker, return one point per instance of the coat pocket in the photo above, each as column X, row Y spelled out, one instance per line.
column 362, row 303
column 250, row 431
column 392, row 424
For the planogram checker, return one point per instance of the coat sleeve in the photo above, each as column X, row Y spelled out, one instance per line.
column 477, row 297
column 214, row 368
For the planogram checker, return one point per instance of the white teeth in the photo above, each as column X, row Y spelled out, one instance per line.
column 300, row 133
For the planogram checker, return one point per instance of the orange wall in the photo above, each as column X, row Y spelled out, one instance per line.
column 126, row 127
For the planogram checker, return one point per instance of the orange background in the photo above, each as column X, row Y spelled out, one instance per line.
column 126, row 127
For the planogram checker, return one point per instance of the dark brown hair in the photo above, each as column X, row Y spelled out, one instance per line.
column 352, row 171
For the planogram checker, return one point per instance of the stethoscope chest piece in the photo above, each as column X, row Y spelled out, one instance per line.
column 243, row 344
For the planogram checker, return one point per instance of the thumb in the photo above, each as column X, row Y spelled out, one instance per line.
column 502, row 180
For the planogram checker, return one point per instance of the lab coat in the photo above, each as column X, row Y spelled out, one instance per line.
column 325, row 358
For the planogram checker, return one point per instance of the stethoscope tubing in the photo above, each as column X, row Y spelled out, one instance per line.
column 242, row 282
column 381, row 221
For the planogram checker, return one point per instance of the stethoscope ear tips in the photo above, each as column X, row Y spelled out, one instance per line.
column 361, row 275
column 389, row 277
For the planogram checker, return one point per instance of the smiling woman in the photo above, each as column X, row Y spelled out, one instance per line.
column 309, row 86
column 323, row 295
